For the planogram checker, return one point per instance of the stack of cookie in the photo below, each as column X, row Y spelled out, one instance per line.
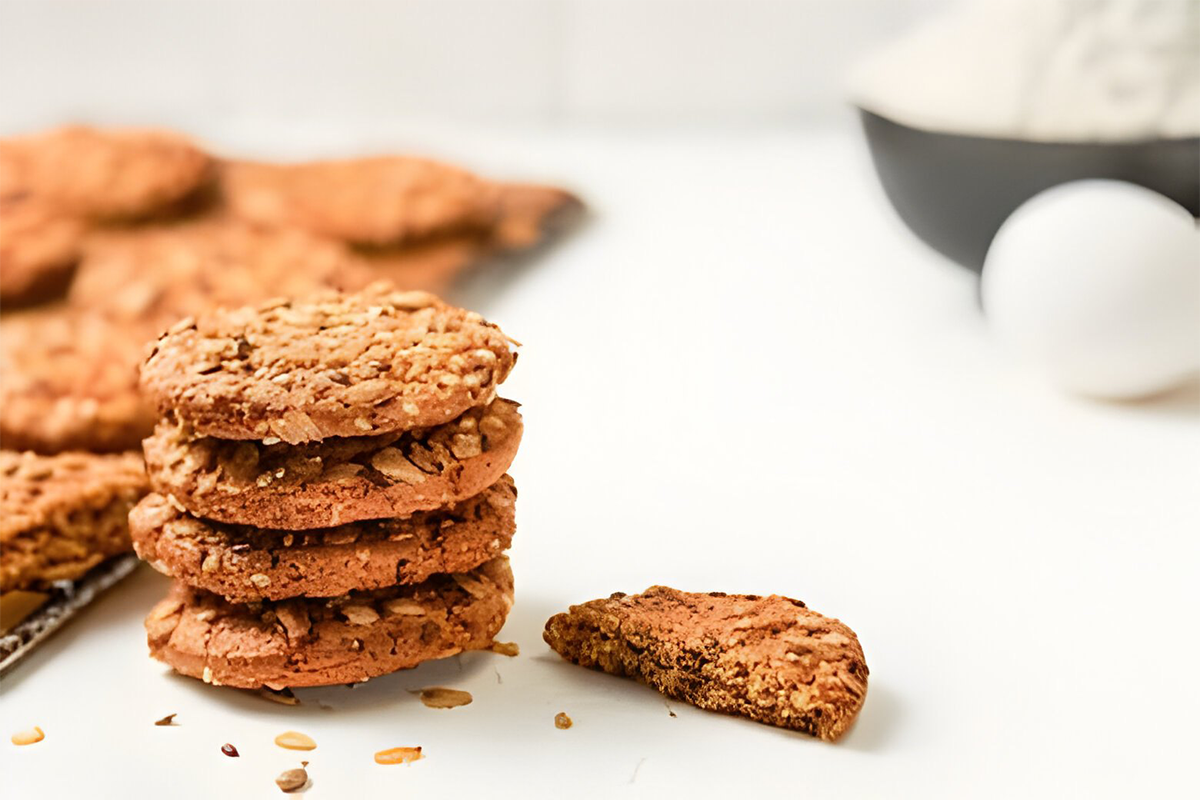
column 329, row 488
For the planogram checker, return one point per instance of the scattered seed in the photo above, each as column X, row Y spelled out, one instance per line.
column 294, row 740
column 291, row 779
column 562, row 721
column 283, row 697
column 31, row 736
column 398, row 755
column 509, row 649
column 230, row 750
column 441, row 697
column 169, row 719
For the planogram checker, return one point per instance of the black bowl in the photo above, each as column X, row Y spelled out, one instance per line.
column 955, row 191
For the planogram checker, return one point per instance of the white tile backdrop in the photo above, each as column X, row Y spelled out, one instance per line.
column 459, row 62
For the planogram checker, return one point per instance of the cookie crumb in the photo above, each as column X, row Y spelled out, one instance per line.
column 31, row 736
column 398, row 755
column 562, row 721
column 169, row 719
column 230, row 750
column 510, row 649
column 441, row 697
column 283, row 696
column 294, row 740
column 291, row 780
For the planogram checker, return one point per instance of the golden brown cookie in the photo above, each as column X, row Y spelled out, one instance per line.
column 68, row 381
column 529, row 213
column 369, row 363
column 62, row 515
column 431, row 265
column 767, row 658
column 528, row 216
column 313, row 642
column 163, row 273
column 378, row 200
column 242, row 563
column 39, row 249
column 105, row 173
column 334, row 481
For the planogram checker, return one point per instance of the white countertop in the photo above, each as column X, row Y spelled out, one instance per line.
column 741, row 375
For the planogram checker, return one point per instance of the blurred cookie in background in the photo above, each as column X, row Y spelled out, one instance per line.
column 528, row 215
column 160, row 274
column 39, row 248
column 383, row 200
column 68, row 381
column 113, row 174
column 420, row 223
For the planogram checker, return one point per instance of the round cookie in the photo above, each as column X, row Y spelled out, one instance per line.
column 374, row 201
column 106, row 173
column 68, row 381
column 242, row 563
column 378, row 361
column 314, row 642
column 39, row 249
column 335, row 481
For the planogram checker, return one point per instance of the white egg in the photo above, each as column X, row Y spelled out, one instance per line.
column 1097, row 283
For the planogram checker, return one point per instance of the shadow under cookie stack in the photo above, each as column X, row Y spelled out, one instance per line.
column 329, row 488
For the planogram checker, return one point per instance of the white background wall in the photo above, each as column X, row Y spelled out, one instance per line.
column 464, row 62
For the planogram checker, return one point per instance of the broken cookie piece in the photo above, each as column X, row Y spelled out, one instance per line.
column 62, row 515
column 770, row 659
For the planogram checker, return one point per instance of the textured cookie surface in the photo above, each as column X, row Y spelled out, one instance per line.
column 242, row 563
column 105, row 173
column 766, row 658
column 359, row 364
column 312, row 642
column 334, row 481
column 62, row 515
column 38, row 252
column 380, row 200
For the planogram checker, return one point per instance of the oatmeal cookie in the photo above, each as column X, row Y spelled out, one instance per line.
column 39, row 249
column 334, row 481
column 313, row 642
column 163, row 273
column 105, row 174
column 62, row 515
column 374, row 362
column 529, row 213
column 379, row 200
column 68, row 381
column 767, row 658
column 243, row 563
column 528, row 216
